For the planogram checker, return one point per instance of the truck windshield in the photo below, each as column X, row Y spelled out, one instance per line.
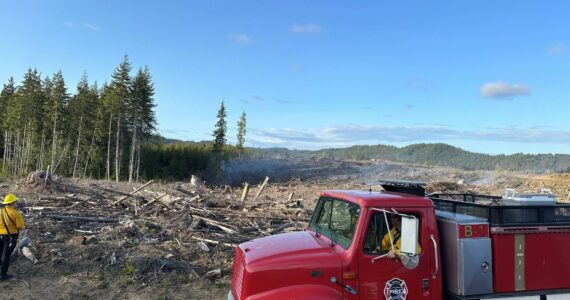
column 336, row 219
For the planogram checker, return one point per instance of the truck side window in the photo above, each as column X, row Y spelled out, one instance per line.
column 336, row 219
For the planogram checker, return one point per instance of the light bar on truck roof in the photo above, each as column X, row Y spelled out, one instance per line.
column 406, row 187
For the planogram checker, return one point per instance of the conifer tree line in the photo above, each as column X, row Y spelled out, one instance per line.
column 96, row 131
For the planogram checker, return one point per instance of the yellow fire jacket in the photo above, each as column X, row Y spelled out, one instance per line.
column 395, row 233
column 13, row 219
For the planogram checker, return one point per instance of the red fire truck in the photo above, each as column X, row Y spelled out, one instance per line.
column 450, row 246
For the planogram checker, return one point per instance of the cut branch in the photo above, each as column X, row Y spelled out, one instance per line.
column 133, row 192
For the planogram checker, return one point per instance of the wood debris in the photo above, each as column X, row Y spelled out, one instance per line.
column 153, row 228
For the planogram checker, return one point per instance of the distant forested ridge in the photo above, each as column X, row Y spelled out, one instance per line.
column 439, row 155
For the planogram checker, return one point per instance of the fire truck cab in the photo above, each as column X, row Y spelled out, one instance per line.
column 444, row 249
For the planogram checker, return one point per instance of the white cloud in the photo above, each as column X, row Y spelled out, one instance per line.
column 86, row 25
column 283, row 101
column 418, row 83
column 305, row 28
column 91, row 26
column 241, row 38
column 503, row 90
column 556, row 49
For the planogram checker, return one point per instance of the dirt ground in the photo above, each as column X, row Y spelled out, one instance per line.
column 175, row 240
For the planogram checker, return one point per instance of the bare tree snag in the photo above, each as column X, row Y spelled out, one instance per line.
column 245, row 191
column 261, row 188
column 290, row 196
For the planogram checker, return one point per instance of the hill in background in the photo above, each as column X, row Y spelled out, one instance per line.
column 435, row 155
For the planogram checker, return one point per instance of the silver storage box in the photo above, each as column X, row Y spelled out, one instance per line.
column 512, row 197
column 466, row 257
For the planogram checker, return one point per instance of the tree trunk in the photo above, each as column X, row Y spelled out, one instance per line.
column 109, row 150
column 16, row 159
column 132, row 158
column 42, row 148
column 28, row 152
column 117, row 143
column 77, row 148
column 138, row 160
column 62, row 155
column 22, row 151
column 10, row 150
column 6, row 147
column 54, row 140
column 90, row 152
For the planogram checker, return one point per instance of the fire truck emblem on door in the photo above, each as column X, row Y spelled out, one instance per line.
column 395, row 289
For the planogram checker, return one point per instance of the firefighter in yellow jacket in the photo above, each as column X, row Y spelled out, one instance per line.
column 11, row 224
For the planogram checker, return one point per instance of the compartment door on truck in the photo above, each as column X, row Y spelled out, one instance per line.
column 386, row 278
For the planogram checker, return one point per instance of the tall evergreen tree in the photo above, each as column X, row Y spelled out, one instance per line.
column 79, row 111
column 117, row 104
column 141, row 116
column 6, row 95
column 28, row 109
column 220, row 130
column 57, row 103
column 6, row 100
column 241, row 126
column 93, row 124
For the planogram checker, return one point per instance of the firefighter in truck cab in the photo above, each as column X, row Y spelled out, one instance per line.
column 391, row 243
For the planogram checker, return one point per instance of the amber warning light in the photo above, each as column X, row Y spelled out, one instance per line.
column 473, row 231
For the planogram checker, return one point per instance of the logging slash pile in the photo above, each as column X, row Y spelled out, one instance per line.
column 145, row 234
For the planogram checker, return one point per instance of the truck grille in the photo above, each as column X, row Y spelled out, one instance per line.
column 237, row 274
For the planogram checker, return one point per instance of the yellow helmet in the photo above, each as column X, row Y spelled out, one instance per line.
column 10, row 198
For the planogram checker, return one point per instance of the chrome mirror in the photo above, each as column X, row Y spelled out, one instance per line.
column 410, row 261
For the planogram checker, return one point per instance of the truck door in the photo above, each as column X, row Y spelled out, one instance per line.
column 386, row 278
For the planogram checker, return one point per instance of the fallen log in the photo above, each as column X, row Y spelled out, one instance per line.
column 29, row 255
column 216, row 224
column 42, row 207
column 133, row 192
column 112, row 191
column 193, row 198
column 155, row 199
column 213, row 273
column 279, row 228
column 81, row 218
column 213, row 242
column 185, row 191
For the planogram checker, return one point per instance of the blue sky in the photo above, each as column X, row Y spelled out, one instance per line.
column 487, row 76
